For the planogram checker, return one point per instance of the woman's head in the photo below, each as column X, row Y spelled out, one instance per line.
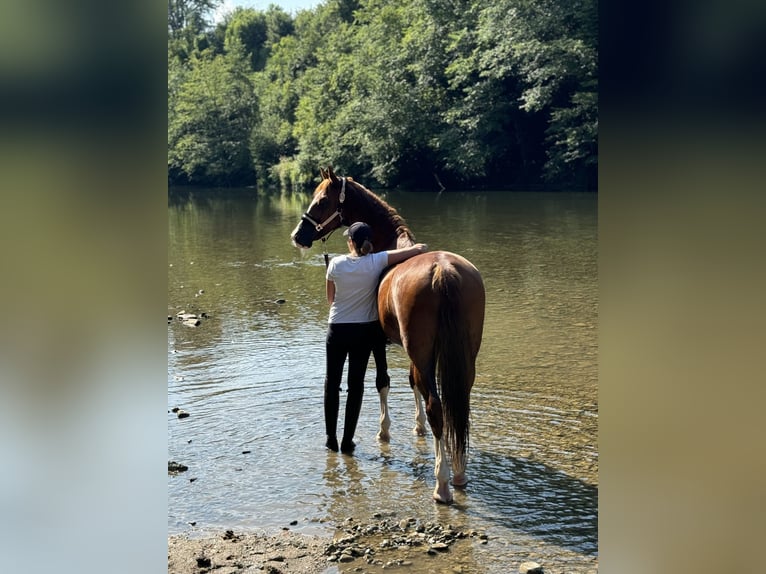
column 360, row 237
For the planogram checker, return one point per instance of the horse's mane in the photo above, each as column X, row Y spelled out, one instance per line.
column 381, row 211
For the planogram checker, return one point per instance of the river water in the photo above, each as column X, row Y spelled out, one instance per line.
column 251, row 377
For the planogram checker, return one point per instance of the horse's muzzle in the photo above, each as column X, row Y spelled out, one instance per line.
column 303, row 235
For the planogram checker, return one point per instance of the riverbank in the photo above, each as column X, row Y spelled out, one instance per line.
column 377, row 545
column 229, row 553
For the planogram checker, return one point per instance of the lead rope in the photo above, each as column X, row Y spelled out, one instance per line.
column 324, row 249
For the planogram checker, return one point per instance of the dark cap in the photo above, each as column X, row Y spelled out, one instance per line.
column 358, row 232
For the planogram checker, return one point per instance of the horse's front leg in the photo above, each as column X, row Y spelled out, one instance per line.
column 420, row 412
column 383, row 384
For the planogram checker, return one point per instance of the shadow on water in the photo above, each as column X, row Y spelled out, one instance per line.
column 531, row 497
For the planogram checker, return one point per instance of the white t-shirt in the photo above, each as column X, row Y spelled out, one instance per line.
column 356, row 282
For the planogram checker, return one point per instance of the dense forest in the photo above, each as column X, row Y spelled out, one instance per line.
column 418, row 93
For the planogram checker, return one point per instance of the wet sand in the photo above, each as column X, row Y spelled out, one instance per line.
column 287, row 552
column 373, row 546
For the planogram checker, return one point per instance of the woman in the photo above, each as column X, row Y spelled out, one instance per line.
column 352, row 282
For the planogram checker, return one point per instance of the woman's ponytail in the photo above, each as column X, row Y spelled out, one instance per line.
column 365, row 248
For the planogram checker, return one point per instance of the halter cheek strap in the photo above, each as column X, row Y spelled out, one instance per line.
column 321, row 226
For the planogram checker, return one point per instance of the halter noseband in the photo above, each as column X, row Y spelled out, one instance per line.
column 338, row 213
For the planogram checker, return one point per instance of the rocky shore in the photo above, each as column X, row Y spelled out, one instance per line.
column 371, row 546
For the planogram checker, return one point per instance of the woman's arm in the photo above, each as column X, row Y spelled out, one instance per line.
column 330, row 288
column 398, row 255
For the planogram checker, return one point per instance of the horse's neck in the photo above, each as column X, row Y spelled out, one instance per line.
column 391, row 232
column 405, row 239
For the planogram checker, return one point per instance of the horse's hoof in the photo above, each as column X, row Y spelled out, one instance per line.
column 443, row 494
column 383, row 437
column 443, row 500
column 419, row 431
column 459, row 481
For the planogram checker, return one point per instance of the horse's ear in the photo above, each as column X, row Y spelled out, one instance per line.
column 331, row 174
column 323, row 173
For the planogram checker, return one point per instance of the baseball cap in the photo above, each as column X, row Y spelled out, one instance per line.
column 358, row 232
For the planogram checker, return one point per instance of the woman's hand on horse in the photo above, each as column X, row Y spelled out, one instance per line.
column 398, row 255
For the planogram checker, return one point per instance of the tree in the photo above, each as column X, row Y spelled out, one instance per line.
column 277, row 87
column 549, row 48
column 189, row 14
column 394, row 91
column 209, row 121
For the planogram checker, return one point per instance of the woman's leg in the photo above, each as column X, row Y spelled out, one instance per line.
column 358, row 357
column 336, row 357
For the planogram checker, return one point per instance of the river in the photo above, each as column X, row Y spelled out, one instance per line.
column 251, row 375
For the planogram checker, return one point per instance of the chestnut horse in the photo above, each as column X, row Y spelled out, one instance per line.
column 431, row 304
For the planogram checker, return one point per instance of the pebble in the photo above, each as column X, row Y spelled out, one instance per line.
column 530, row 568
column 176, row 467
column 391, row 536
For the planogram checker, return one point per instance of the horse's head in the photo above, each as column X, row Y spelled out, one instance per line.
column 324, row 214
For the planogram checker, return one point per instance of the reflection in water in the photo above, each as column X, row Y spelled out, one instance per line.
column 251, row 377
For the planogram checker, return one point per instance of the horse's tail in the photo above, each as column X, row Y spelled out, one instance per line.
column 453, row 360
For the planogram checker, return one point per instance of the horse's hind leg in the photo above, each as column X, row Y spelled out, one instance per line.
column 383, row 384
column 459, row 478
column 426, row 384
column 442, row 491
column 420, row 413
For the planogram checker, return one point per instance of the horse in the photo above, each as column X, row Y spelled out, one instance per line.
column 431, row 304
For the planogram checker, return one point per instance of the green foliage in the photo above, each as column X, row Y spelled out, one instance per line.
column 246, row 28
column 257, row 32
column 558, row 61
column 209, row 120
column 392, row 91
column 188, row 15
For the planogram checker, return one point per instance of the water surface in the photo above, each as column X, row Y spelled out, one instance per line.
column 251, row 377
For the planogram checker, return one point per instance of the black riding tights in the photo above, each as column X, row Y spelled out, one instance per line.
column 354, row 340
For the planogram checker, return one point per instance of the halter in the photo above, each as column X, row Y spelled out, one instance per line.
column 320, row 226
